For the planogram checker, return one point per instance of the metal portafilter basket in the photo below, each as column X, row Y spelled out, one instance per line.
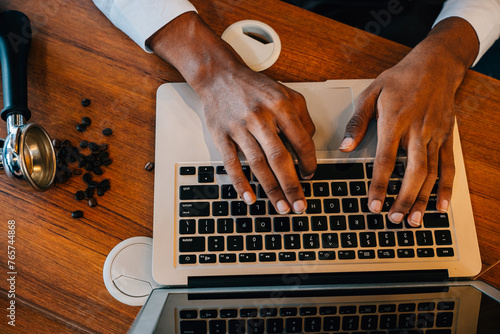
column 27, row 154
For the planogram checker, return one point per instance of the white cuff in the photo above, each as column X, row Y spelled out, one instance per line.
column 483, row 16
column 141, row 19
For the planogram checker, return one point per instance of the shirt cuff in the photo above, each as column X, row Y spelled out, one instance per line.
column 141, row 19
column 483, row 16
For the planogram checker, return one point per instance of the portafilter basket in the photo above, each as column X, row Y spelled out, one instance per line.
column 27, row 155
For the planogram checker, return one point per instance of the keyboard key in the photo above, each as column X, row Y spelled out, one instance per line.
column 220, row 208
column 364, row 205
column 267, row 257
column 430, row 306
column 300, row 223
column 386, row 253
column 273, row 242
column 367, row 308
column 199, row 192
column 443, row 237
column 308, row 311
column 248, row 312
column 329, row 240
column 319, row 223
column 246, row 171
column 255, row 326
column 310, row 241
column 350, row 323
column 339, row 188
column 247, row 257
column 312, row 324
column 228, row 191
column 270, row 209
column 205, row 170
column 338, row 223
column 399, row 170
column 216, row 244
column 235, row 243
column 325, row 256
column 307, row 256
column 292, row 241
column 386, row 239
column 287, row 256
column 236, row 326
column 254, row 242
column 262, row 224
column 445, row 252
column 191, row 244
column 281, row 224
column 187, row 226
column 393, row 187
column 347, row 309
column 366, row 254
column 225, row 225
column 331, row 205
column 357, row 188
column 388, row 321
column 425, row 320
column 407, row 307
column 239, row 208
column 348, row 240
column 288, row 311
column 243, row 225
column 347, row 255
column 261, row 193
column 188, row 314
column 327, row 310
column 386, row 205
column 293, row 325
column 367, row 239
column 217, row 326
column 193, row 327
column 221, row 170
column 405, row 238
column 356, row 222
column 194, row 209
column 375, row 222
column 424, row 238
column 339, row 171
column 206, row 178
column 407, row 320
column 331, row 324
column 306, row 188
column 369, row 322
column 425, row 252
column 227, row 258
column 206, row 226
column 274, row 325
column 188, row 170
column 350, row 205
column 258, row 208
column 320, row 189
column 187, row 259
column 444, row 319
column 207, row 258
column 445, row 306
column 406, row 253
column 391, row 225
column 432, row 204
column 268, row 312
column 432, row 220
column 387, row 308
column 313, row 206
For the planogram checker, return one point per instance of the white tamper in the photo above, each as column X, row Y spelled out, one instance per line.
column 127, row 271
column 256, row 43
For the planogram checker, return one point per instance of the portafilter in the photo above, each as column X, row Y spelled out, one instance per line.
column 27, row 154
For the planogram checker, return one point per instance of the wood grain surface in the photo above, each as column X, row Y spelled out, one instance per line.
column 77, row 53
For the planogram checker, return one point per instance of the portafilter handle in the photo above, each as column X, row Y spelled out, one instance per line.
column 15, row 43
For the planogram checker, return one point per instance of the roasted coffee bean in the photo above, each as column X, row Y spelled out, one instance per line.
column 77, row 214
column 92, row 202
column 106, row 162
column 103, row 147
column 84, row 144
column 103, row 155
column 82, row 163
column 81, row 127
column 56, row 143
column 98, row 171
column 92, row 184
column 61, row 155
column 93, row 146
column 149, row 166
column 89, row 192
column 68, row 173
column 100, row 191
column 79, row 195
column 71, row 158
column 88, row 167
column 77, row 171
column 87, row 177
column 104, row 183
column 85, row 102
column 90, row 158
column 86, row 121
column 65, row 143
column 107, row 132
column 97, row 163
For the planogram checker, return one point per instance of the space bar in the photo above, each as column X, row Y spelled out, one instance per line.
column 339, row 171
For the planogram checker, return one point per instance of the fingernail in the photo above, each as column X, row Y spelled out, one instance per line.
column 443, row 206
column 282, row 207
column 248, row 197
column 415, row 219
column 346, row 143
column 307, row 177
column 376, row 206
column 396, row 217
column 299, row 206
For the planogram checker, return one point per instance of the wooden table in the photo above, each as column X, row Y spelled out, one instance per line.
column 77, row 53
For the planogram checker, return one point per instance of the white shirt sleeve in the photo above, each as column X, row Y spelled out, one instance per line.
column 141, row 19
column 483, row 15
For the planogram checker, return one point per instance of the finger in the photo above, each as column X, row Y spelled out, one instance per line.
column 232, row 164
column 415, row 175
column 383, row 165
column 301, row 107
column 358, row 124
column 446, row 174
column 417, row 211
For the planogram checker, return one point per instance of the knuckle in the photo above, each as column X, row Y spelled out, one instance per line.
column 355, row 124
column 279, row 155
column 273, row 190
column 421, row 200
column 405, row 202
column 292, row 189
column 378, row 188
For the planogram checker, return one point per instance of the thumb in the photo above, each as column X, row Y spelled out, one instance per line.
column 357, row 126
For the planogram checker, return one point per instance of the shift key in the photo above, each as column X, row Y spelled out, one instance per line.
column 192, row 244
column 194, row 209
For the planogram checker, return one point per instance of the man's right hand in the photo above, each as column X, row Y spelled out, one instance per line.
column 245, row 111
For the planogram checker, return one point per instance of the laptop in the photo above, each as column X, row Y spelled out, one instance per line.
column 205, row 237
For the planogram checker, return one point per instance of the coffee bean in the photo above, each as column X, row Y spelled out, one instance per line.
column 92, row 202
column 100, row 191
column 81, row 127
column 86, row 121
column 98, row 171
column 65, row 143
column 103, row 155
column 77, row 171
column 93, row 146
column 84, row 144
column 87, row 177
column 79, row 195
column 56, row 143
column 89, row 192
column 103, row 147
column 107, row 132
column 92, row 184
column 85, row 102
column 97, row 163
column 106, row 162
column 104, row 183
column 149, row 166
column 77, row 214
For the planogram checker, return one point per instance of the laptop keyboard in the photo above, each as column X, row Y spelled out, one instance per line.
column 215, row 227
column 407, row 317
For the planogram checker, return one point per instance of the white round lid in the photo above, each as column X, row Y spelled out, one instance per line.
column 127, row 271
column 256, row 43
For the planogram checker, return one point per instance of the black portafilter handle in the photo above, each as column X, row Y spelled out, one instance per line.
column 15, row 43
